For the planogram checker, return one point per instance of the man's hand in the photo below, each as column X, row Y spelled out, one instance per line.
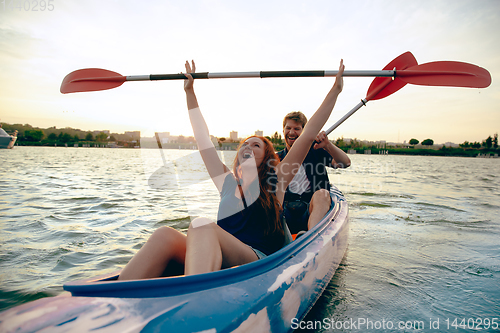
column 321, row 140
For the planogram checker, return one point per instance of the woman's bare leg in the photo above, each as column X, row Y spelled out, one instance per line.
column 319, row 206
column 164, row 245
column 209, row 248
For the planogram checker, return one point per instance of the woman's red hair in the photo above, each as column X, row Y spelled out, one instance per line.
column 267, row 197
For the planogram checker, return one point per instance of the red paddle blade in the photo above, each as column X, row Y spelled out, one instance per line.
column 91, row 79
column 447, row 73
column 384, row 86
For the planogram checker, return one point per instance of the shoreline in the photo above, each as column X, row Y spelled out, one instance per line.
column 456, row 152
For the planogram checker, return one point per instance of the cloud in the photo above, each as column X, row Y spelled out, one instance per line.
column 15, row 45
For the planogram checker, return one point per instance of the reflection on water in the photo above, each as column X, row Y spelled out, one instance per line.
column 424, row 231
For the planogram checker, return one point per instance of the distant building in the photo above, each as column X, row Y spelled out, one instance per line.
column 134, row 135
column 259, row 133
column 451, row 145
column 233, row 135
column 99, row 132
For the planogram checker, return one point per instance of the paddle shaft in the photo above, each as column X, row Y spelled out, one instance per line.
column 347, row 115
column 262, row 74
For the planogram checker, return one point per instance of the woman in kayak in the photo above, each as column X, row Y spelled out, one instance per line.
column 249, row 225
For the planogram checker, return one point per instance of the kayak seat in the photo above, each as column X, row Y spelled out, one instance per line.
column 297, row 235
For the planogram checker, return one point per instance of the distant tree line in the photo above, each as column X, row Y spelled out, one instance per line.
column 489, row 142
column 275, row 139
column 466, row 149
column 29, row 135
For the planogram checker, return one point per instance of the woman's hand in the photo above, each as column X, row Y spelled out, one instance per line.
column 339, row 80
column 188, row 84
column 191, row 100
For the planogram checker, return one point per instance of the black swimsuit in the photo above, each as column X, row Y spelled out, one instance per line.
column 247, row 223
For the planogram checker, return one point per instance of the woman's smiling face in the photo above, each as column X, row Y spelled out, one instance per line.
column 252, row 148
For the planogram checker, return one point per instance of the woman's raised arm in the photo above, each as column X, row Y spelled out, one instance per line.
column 214, row 165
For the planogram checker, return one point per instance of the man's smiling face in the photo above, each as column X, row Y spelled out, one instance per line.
column 291, row 132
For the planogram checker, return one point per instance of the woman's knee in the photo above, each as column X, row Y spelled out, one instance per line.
column 202, row 227
column 168, row 241
column 165, row 235
column 200, row 222
column 163, row 232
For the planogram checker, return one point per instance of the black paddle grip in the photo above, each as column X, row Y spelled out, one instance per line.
column 180, row 76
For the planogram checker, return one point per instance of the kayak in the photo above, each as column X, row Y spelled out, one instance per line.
column 268, row 295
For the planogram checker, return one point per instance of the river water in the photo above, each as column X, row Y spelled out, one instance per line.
column 424, row 243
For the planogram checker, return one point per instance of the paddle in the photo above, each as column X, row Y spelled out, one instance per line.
column 447, row 73
column 95, row 79
column 439, row 73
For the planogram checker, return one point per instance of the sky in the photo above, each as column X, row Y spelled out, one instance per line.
column 39, row 48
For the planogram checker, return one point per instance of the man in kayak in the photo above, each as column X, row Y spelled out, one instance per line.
column 309, row 189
